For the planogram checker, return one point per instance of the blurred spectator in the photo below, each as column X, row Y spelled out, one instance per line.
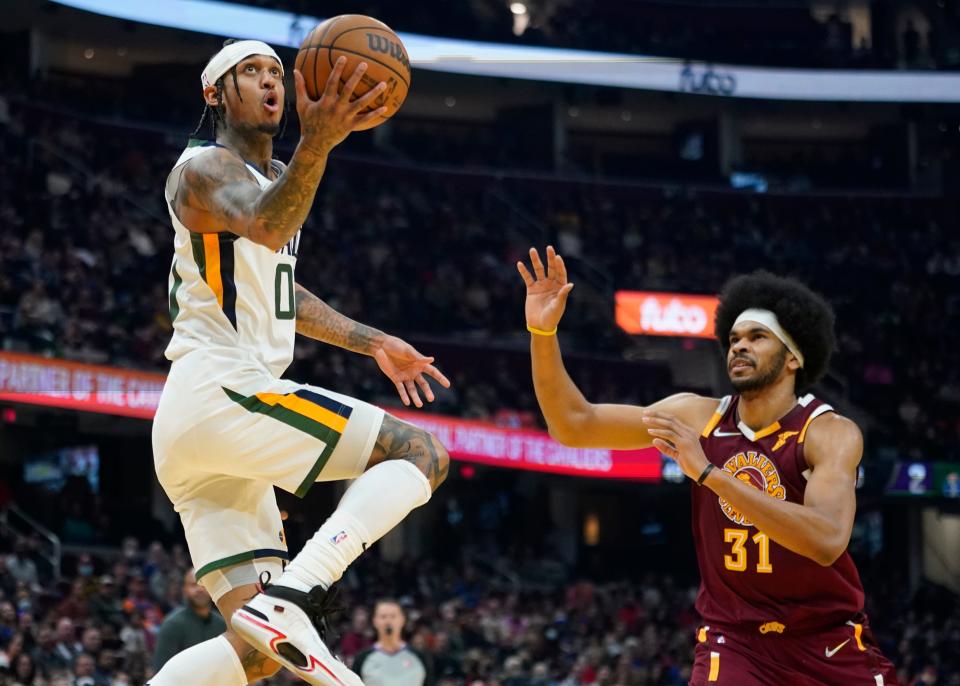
column 20, row 566
column 75, row 605
column 357, row 637
column 67, row 647
column 105, row 603
column 24, row 670
column 195, row 622
column 91, row 642
column 85, row 670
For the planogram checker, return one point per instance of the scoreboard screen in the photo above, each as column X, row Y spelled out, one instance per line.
column 925, row 479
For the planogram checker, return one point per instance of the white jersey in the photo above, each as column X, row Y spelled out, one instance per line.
column 229, row 292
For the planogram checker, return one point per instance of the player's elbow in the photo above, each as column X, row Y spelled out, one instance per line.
column 825, row 558
column 575, row 427
column 569, row 432
column 258, row 232
column 828, row 552
column 562, row 434
column 268, row 240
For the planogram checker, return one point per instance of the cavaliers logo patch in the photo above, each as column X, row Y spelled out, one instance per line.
column 757, row 470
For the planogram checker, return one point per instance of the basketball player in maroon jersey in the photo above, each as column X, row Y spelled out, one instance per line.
column 774, row 499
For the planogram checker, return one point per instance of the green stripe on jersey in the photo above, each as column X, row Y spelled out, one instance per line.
column 199, row 255
column 177, row 282
column 240, row 557
column 309, row 426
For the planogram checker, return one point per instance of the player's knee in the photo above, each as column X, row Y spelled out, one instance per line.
column 443, row 460
column 399, row 440
column 430, row 457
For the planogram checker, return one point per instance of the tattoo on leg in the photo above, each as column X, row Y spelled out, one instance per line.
column 401, row 441
column 256, row 665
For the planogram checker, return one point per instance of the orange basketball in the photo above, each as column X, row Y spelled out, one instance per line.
column 359, row 39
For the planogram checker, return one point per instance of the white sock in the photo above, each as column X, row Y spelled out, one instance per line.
column 374, row 504
column 211, row 663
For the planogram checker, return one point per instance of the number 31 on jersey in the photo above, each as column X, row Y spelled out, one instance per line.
column 737, row 561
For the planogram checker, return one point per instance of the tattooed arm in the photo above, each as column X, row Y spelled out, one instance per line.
column 317, row 320
column 216, row 192
column 399, row 360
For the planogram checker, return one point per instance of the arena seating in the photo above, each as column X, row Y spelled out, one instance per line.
column 430, row 255
column 540, row 627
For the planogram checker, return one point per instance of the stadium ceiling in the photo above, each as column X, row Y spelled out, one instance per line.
column 554, row 64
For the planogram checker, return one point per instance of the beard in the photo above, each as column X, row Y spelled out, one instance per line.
column 269, row 129
column 197, row 604
column 763, row 378
column 246, row 128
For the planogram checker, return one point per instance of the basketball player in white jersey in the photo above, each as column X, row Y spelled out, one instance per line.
column 228, row 428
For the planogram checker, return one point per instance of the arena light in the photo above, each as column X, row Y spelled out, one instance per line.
column 553, row 64
column 521, row 18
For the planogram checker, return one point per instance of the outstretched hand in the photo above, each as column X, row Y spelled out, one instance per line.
column 406, row 368
column 547, row 290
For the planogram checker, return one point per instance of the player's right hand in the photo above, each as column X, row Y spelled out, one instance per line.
column 547, row 291
column 326, row 122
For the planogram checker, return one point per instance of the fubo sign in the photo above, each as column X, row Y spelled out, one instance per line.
column 666, row 314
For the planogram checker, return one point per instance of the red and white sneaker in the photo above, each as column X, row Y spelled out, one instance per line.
column 290, row 626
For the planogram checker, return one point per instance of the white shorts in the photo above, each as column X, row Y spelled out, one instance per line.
column 225, row 434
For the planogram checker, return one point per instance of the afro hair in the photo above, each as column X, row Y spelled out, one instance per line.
column 805, row 315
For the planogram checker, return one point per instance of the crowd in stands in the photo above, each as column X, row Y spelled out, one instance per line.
column 98, row 624
column 431, row 255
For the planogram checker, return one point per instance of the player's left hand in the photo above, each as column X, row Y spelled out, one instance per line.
column 677, row 441
column 406, row 367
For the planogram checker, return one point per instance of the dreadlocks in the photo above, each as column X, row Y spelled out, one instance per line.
column 218, row 113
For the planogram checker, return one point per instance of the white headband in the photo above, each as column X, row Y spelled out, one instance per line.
column 769, row 320
column 230, row 55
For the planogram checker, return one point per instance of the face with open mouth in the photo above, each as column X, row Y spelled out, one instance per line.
column 271, row 102
column 256, row 101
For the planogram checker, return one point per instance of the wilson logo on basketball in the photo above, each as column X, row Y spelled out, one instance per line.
column 383, row 44
column 759, row 471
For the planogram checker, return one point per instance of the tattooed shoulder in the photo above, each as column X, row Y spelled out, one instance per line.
column 205, row 174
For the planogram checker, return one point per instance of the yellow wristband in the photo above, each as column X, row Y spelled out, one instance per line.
column 541, row 332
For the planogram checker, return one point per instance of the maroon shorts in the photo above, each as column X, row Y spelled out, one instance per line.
column 846, row 655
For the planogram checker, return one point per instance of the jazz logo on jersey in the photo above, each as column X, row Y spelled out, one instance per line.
column 759, row 471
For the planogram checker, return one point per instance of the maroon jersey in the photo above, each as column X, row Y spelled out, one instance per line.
column 748, row 580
